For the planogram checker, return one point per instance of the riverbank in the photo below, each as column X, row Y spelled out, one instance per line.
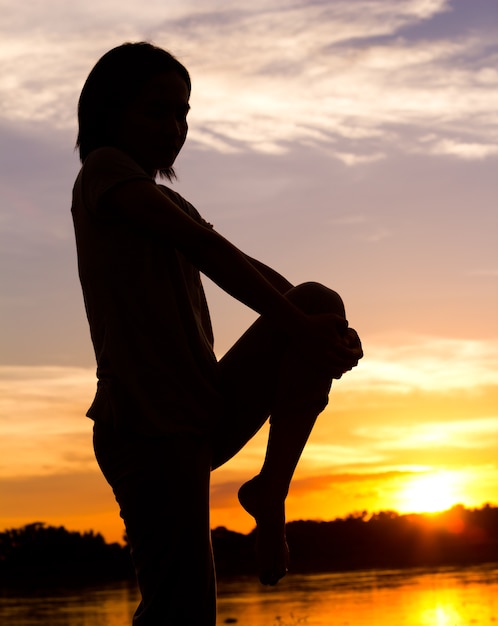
column 458, row 537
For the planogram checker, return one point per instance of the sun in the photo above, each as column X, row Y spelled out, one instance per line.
column 430, row 492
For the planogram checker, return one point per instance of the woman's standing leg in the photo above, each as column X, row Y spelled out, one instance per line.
column 162, row 487
column 263, row 365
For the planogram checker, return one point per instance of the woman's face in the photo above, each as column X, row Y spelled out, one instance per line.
column 154, row 127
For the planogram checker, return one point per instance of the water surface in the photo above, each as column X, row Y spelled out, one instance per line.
column 442, row 597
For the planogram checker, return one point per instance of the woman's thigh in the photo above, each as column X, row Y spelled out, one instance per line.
column 248, row 373
column 251, row 372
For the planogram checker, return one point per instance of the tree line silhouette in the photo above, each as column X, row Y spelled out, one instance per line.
column 457, row 537
column 47, row 554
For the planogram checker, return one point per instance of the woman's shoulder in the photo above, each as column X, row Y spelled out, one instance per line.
column 104, row 169
column 185, row 205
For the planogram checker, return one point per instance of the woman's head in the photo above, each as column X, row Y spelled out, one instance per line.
column 121, row 87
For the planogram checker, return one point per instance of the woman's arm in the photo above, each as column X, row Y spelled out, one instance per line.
column 141, row 203
column 146, row 208
column 277, row 280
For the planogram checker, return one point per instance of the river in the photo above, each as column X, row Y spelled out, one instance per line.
column 441, row 597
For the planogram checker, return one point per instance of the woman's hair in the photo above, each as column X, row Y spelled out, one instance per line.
column 112, row 85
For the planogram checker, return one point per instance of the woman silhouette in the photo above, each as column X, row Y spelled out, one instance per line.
column 166, row 412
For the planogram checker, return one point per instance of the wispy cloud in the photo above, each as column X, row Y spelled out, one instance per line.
column 396, row 418
column 473, row 433
column 44, row 430
column 428, row 363
column 320, row 73
column 464, row 150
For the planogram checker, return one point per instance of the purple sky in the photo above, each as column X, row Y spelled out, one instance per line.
column 349, row 142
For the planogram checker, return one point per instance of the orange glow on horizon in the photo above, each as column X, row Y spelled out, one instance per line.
column 360, row 457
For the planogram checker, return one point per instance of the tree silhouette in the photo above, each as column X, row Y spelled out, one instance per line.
column 37, row 551
column 385, row 539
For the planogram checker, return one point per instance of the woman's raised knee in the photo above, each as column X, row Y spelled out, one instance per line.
column 315, row 298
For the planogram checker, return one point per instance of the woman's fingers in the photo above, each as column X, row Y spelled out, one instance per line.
column 330, row 345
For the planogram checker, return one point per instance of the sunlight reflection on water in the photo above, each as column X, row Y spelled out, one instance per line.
column 110, row 605
column 377, row 598
column 441, row 597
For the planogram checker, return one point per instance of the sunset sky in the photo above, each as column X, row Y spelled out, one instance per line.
column 352, row 142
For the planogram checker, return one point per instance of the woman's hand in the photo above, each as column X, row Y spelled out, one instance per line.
column 353, row 342
column 327, row 342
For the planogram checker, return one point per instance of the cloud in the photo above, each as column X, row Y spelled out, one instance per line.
column 54, row 494
column 472, row 434
column 427, row 363
column 369, row 440
column 354, row 159
column 320, row 482
column 42, row 409
column 465, row 150
column 42, row 418
column 314, row 73
column 354, row 76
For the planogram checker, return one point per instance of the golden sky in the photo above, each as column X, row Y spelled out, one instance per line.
column 405, row 431
column 353, row 143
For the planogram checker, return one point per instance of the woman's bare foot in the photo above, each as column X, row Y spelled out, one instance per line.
column 272, row 552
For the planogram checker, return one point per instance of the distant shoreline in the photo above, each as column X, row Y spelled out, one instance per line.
column 45, row 555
